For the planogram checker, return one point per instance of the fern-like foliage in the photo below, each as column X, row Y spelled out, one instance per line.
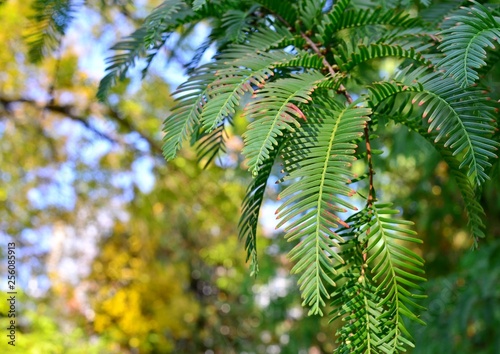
column 465, row 44
column 293, row 69
column 319, row 156
column 192, row 95
column 379, row 279
column 250, row 211
column 396, row 268
column 356, row 303
column 400, row 113
column 407, row 111
column 274, row 111
column 339, row 19
column 233, row 82
column 49, row 24
column 355, row 300
column 144, row 42
column 348, row 58
column 463, row 118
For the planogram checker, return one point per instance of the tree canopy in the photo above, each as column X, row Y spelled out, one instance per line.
column 359, row 111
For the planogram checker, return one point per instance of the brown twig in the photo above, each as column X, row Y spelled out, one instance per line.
column 371, row 172
column 317, row 51
column 342, row 90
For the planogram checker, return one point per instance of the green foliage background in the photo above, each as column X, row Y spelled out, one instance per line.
column 160, row 268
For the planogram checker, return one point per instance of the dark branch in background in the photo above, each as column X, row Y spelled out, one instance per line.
column 69, row 112
column 64, row 110
column 116, row 116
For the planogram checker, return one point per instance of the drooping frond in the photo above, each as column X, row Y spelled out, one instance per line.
column 348, row 58
column 247, row 74
column 461, row 118
column 404, row 112
column 273, row 111
column 49, row 23
column 213, row 92
column 377, row 282
column 231, row 84
column 358, row 308
column 397, row 270
column 475, row 212
column 251, row 205
column 355, row 300
column 197, row 4
column 465, row 44
column 310, row 12
column 319, row 155
column 212, row 144
column 186, row 114
column 285, row 9
column 144, row 42
column 474, row 209
column 339, row 19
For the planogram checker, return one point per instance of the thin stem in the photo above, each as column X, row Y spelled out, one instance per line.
column 371, row 171
column 343, row 91
column 317, row 51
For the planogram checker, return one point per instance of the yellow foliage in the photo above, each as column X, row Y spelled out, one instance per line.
column 153, row 301
column 12, row 17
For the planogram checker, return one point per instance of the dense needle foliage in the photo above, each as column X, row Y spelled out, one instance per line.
column 294, row 69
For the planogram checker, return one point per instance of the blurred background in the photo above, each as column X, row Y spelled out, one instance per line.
column 120, row 252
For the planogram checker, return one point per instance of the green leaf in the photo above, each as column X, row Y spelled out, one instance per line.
column 49, row 23
column 144, row 42
column 319, row 156
column 463, row 119
column 341, row 18
column 251, row 205
column 274, row 111
column 356, row 300
column 233, row 82
column 465, row 44
column 472, row 206
column 191, row 97
column 197, row 4
column 393, row 266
